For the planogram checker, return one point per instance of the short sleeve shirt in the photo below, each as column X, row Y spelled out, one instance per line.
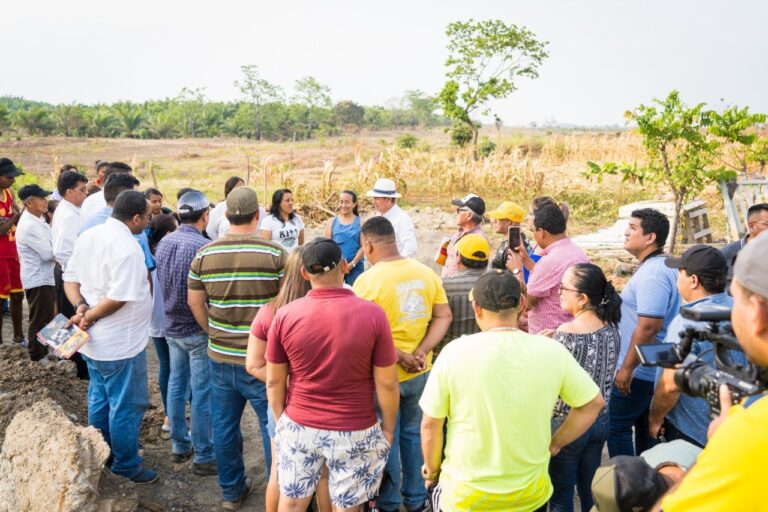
column 730, row 473
column 651, row 292
column 544, row 283
column 284, row 233
column 331, row 340
column 407, row 290
column 497, row 390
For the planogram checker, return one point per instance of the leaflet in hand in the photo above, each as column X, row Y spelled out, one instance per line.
column 64, row 341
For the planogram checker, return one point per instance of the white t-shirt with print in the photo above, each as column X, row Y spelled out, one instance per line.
column 285, row 234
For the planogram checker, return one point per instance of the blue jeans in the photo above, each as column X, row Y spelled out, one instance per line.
column 117, row 399
column 575, row 465
column 232, row 388
column 626, row 412
column 190, row 373
column 406, row 448
column 164, row 369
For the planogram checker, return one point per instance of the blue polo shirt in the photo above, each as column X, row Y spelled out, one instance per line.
column 651, row 292
column 690, row 414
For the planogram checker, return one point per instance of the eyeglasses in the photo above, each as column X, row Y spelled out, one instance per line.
column 753, row 225
column 564, row 289
column 459, row 210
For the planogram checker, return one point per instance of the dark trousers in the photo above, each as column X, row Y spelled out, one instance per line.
column 628, row 412
column 42, row 306
column 671, row 433
column 65, row 308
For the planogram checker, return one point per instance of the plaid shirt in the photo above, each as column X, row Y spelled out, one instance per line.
column 457, row 289
column 174, row 255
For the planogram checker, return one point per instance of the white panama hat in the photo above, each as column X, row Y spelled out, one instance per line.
column 384, row 187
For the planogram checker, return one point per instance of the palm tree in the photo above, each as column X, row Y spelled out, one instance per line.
column 69, row 120
column 129, row 119
column 100, row 122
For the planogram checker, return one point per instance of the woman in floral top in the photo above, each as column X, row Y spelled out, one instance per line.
column 593, row 339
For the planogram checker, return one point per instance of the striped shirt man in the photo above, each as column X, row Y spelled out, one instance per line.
column 239, row 273
column 457, row 289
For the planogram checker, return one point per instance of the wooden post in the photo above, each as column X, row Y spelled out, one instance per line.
column 152, row 173
column 247, row 171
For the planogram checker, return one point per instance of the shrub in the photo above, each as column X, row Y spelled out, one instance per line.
column 485, row 147
column 407, row 141
column 461, row 135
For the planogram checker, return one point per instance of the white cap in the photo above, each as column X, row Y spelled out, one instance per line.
column 384, row 187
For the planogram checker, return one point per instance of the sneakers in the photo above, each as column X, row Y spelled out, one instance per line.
column 178, row 458
column 235, row 505
column 205, row 469
column 147, row 476
column 21, row 341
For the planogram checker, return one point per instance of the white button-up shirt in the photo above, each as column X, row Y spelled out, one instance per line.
column 92, row 205
column 64, row 228
column 35, row 246
column 406, row 237
column 108, row 263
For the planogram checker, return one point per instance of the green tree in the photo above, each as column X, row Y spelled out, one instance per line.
column 191, row 105
column 69, row 120
column 129, row 118
column 485, row 60
column 348, row 113
column 35, row 121
column 100, row 122
column 758, row 153
column 735, row 128
column 4, row 118
column 162, row 125
column 680, row 153
column 259, row 92
column 311, row 94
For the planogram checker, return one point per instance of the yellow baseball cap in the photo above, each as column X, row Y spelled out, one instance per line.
column 508, row 211
column 473, row 247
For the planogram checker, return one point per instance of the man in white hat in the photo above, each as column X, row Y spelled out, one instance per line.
column 385, row 201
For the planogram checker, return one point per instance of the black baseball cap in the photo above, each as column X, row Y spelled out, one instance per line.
column 321, row 255
column 627, row 483
column 473, row 202
column 700, row 260
column 496, row 290
column 7, row 168
column 28, row 191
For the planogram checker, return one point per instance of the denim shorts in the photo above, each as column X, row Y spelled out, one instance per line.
column 271, row 423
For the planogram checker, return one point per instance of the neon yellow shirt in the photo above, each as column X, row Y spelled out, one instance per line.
column 730, row 473
column 406, row 290
column 497, row 389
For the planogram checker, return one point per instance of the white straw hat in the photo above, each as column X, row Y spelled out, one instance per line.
column 384, row 187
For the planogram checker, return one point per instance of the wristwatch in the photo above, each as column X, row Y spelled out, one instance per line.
column 426, row 475
column 82, row 302
column 515, row 271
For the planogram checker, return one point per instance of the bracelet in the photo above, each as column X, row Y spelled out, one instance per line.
column 82, row 302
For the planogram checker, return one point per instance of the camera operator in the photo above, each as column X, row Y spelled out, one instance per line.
column 701, row 283
column 730, row 472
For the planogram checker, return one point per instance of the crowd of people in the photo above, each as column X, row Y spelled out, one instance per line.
column 494, row 385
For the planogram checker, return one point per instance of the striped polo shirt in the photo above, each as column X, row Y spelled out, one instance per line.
column 239, row 273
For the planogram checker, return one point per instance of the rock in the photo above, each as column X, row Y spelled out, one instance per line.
column 48, row 463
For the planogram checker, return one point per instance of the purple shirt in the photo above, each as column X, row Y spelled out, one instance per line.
column 544, row 283
column 451, row 267
column 174, row 256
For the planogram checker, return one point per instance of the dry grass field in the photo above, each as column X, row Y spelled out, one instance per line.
column 526, row 163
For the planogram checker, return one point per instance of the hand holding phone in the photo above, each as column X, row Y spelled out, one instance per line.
column 514, row 237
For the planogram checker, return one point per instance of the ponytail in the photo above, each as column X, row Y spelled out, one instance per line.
column 604, row 300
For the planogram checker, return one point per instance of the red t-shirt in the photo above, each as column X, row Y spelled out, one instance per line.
column 8, row 240
column 260, row 324
column 332, row 340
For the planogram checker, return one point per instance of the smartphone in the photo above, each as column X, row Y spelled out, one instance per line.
column 514, row 237
column 658, row 354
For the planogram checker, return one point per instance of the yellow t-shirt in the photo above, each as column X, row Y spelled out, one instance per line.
column 730, row 473
column 497, row 389
column 406, row 290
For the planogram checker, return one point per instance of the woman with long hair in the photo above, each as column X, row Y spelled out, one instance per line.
column 159, row 226
column 218, row 225
column 294, row 287
column 283, row 225
column 593, row 339
column 344, row 229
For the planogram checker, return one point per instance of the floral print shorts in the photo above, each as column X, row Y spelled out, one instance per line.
column 355, row 461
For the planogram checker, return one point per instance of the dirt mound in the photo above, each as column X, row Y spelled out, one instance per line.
column 48, row 463
column 24, row 382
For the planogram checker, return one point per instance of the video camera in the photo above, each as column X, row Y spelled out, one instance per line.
column 696, row 378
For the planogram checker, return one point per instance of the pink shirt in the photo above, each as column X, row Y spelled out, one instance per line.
column 332, row 340
column 451, row 267
column 544, row 283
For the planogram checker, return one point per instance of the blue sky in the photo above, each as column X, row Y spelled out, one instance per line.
column 605, row 56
